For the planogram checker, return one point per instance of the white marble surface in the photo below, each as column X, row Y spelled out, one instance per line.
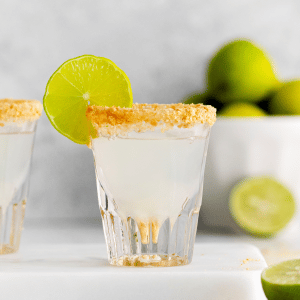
column 64, row 271
column 66, row 259
column 78, row 246
column 163, row 46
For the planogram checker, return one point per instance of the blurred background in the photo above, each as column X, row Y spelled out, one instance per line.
column 163, row 46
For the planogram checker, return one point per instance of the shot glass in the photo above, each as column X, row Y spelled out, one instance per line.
column 18, row 120
column 149, row 162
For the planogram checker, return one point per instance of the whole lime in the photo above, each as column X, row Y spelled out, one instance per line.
column 202, row 97
column 286, row 100
column 195, row 98
column 240, row 72
column 242, row 110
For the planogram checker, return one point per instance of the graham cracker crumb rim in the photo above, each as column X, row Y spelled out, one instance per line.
column 12, row 110
column 142, row 117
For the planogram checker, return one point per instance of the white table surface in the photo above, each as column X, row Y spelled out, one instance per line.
column 66, row 259
column 65, row 270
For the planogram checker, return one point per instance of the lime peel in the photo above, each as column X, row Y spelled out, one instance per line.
column 240, row 109
column 282, row 281
column 241, row 72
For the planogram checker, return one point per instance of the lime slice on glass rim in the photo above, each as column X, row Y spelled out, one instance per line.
column 261, row 205
column 282, row 281
column 77, row 83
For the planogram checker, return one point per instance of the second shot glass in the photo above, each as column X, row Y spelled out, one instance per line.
column 18, row 120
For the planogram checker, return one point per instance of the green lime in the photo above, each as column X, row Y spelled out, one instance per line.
column 195, row 98
column 282, row 281
column 261, row 205
column 204, row 98
column 286, row 100
column 77, row 83
column 242, row 110
column 241, row 72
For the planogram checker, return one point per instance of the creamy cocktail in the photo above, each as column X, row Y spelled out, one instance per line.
column 149, row 160
column 149, row 169
column 18, row 120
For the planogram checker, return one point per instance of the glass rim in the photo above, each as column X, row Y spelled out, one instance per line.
column 19, row 110
column 143, row 117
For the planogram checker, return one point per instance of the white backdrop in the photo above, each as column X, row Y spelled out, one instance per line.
column 162, row 45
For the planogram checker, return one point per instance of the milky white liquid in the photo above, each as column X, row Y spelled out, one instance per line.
column 150, row 178
column 15, row 154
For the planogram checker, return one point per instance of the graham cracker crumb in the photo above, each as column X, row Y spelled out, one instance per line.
column 150, row 260
column 19, row 110
column 249, row 259
column 143, row 117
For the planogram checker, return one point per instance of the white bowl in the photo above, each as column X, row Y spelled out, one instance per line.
column 246, row 147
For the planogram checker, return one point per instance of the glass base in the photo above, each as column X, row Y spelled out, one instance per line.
column 150, row 260
column 136, row 243
column 11, row 226
column 7, row 249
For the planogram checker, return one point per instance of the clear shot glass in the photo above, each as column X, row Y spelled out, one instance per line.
column 149, row 162
column 18, row 120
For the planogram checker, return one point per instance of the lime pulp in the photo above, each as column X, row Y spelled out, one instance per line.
column 261, row 206
column 282, row 281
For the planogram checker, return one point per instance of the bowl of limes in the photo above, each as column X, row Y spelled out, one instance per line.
column 252, row 172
